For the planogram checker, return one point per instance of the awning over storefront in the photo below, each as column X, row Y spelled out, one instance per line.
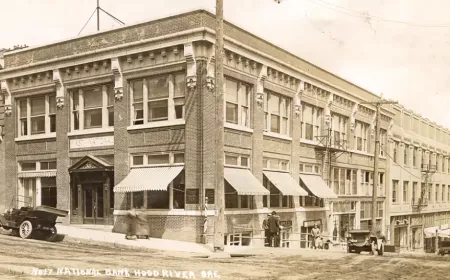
column 148, row 179
column 36, row 174
column 285, row 183
column 243, row 181
column 431, row 232
column 317, row 186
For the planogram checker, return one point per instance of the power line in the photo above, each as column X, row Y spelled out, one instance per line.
column 367, row 16
column 87, row 22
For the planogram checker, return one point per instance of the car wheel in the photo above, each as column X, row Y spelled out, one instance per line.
column 381, row 251
column 52, row 234
column 25, row 229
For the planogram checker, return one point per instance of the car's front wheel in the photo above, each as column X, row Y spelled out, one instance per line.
column 25, row 229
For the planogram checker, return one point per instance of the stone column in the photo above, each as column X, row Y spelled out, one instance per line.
column 62, row 145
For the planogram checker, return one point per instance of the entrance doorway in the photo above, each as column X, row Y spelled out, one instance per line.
column 93, row 204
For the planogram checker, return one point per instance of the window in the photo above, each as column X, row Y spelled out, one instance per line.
column 361, row 136
column 436, row 190
column 443, row 193
column 237, row 108
column 48, row 191
column 430, row 188
column 36, row 115
column 48, row 165
column 27, row 192
column 237, row 160
column 28, row 166
column 414, row 157
column 92, row 108
column 157, row 159
column 354, row 183
column 383, row 138
column 277, row 113
column 157, row 98
column 308, row 121
column 280, row 164
column 395, row 151
column 160, row 199
column 339, row 128
column 448, row 193
column 394, row 190
column 405, row 191
column 276, row 198
column 235, row 201
column 414, row 191
column 405, row 155
column 380, row 209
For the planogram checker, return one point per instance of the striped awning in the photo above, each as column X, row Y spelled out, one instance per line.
column 317, row 186
column 243, row 181
column 284, row 182
column 148, row 179
column 36, row 174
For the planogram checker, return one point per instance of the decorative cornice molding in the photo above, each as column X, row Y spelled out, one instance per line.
column 191, row 63
column 211, row 71
column 59, row 88
column 262, row 75
column 118, row 78
column 7, row 97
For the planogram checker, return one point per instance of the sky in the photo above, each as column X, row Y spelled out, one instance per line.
column 398, row 48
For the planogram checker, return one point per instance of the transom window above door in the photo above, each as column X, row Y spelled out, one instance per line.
column 92, row 107
column 36, row 115
column 157, row 98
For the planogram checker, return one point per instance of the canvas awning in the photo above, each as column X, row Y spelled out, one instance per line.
column 430, row 231
column 243, row 181
column 36, row 174
column 285, row 183
column 317, row 186
column 148, row 179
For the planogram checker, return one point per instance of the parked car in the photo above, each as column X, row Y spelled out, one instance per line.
column 364, row 241
column 444, row 247
column 28, row 222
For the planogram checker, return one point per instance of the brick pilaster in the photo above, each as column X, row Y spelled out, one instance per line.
column 10, row 157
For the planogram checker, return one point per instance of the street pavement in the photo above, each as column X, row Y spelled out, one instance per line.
column 70, row 259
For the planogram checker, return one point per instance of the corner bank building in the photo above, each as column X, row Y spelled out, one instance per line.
column 123, row 119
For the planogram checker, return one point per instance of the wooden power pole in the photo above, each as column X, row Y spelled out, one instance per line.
column 376, row 159
column 219, row 224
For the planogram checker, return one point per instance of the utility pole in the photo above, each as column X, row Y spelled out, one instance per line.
column 98, row 15
column 376, row 159
column 219, row 224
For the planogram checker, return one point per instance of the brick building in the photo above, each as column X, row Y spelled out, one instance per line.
column 125, row 118
column 419, row 200
column 2, row 145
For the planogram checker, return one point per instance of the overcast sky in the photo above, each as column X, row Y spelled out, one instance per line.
column 396, row 47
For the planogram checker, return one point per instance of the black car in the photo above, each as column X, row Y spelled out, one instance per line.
column 444, row 247
column 364, row 241
column 36, row 221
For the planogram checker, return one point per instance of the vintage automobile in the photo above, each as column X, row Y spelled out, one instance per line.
column 364, row 241
column 444, row 247
column 28, row 222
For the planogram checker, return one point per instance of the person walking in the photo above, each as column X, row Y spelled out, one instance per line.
column 274, row 227
column 315, row 233
column 265, row 227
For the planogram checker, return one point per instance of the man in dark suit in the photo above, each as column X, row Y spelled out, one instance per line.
column 274, row 227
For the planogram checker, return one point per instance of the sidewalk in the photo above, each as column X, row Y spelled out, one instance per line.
column 104, row 234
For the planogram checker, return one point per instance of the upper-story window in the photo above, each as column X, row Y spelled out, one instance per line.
column 405, row 155
column 415, row 157
column 383, row 138
column 237, row 160
column 311, row 124
column 92, row 107
column 395, row 151
column 36, row 115
column 339, row 128
column 309, row 168
column 277, row 112
column 157, row 159
column 276, row 164
column 361, row 136
column 158, row 98
column 237, row 98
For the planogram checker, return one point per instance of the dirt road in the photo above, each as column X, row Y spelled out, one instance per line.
column 33, row 259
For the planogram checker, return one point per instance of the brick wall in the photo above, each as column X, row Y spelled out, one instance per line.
column 62, row 153
column 10, row 157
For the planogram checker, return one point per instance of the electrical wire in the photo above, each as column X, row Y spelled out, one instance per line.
column 366, row 16
column 87, row 22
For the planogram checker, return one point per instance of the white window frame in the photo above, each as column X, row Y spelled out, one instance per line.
column 80, row 110
column 241, row 107
column 316, row 116
column 239, row 160
column 145, row 159
column 28, row 117
column 342, row 123
column 172, row 100
column 280, row 164
column 283, row 100
column 363, row 128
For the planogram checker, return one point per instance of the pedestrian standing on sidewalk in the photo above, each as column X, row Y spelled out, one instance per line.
column 315, row 233
column 265, row 227
column 274, row 227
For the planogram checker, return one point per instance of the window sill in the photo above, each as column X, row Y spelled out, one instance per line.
column 311, row 142
column 91, row 131
column 157, row 124
column 238, row 127
column 36, row 137
column 277, row 135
